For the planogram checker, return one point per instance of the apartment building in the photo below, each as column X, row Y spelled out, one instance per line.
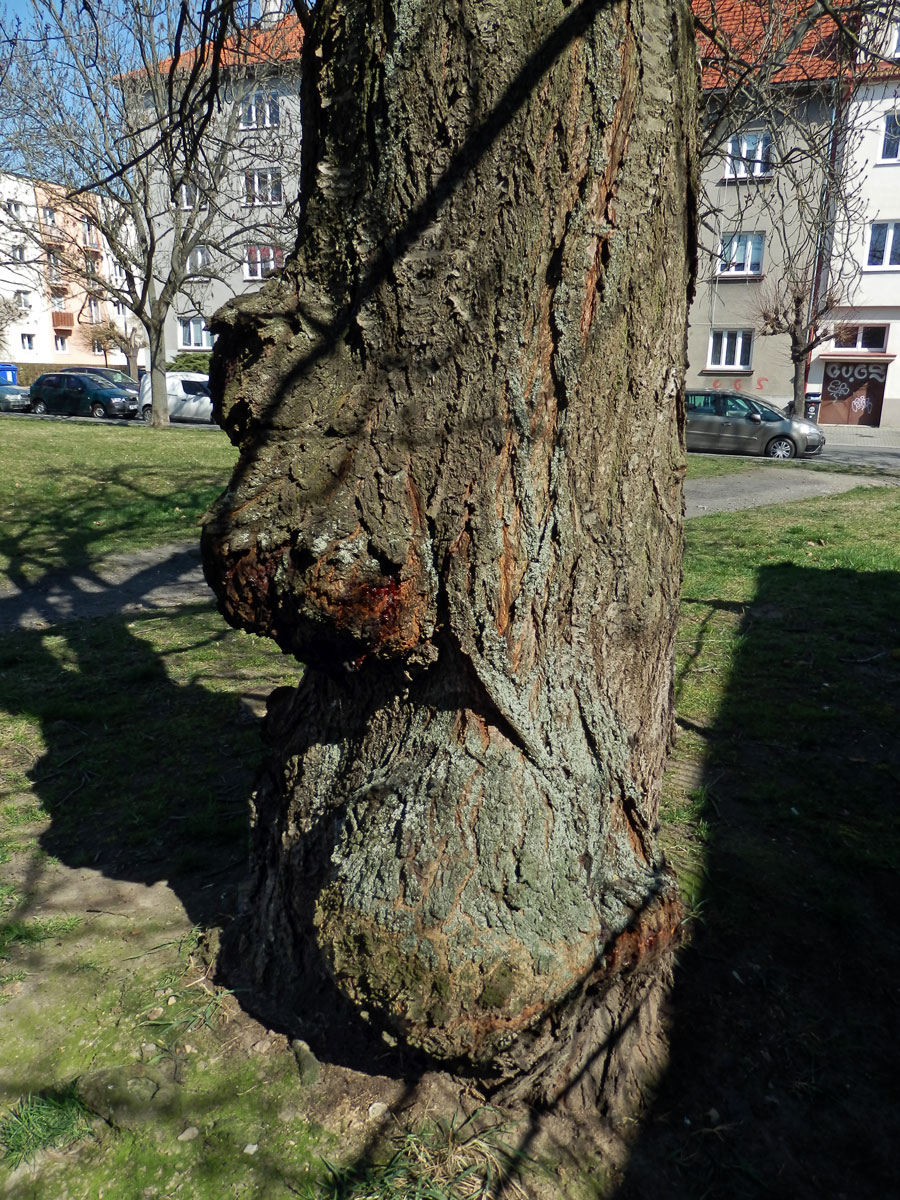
column 803, row 206
column 54, row 266
column 226, row 224
column 856, row 372
column 763, row 203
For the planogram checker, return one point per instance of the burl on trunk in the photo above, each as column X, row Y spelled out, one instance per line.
column 458, row 502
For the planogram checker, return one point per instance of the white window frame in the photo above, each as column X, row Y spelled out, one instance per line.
column 890, row 247
column 23, row 301
column 749, row 155
column 198, row 259
column 93, row 308
column 54, row 266
column 890, row 138
column 188, row 197
column 27, row 340
column 89, row 233
column 262, row 260
column 857, row 347
column 194, row 334
column 736, row 255
column 96, row 347
column 18, row 253
column 733, row 344
column 57, row 302
column 14, row 208
column 262, row 185
column 61, row 343
column 48, row 215
column 260, row 111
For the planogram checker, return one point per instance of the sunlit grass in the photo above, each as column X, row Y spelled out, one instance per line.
column 70, row 492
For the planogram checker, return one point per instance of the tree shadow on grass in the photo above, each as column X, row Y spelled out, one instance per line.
column 785, row 1053
column 145, row 777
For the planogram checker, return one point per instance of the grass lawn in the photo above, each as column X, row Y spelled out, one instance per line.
column 127, row 754
column 782, row 816
column 73, row 491
column 702, row 466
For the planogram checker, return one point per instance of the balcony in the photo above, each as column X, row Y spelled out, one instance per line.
column 63, row 321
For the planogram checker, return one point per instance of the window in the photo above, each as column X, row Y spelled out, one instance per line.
column 118, row 308
column 23, row 300
column 890, row 146
column 58, row 301
column 194, row 334
column 93, row 310
column 861, row 337
column 97, row 347
column 884, row 245
column 48, row 216
column 54, row 265
column 260, row 111
column 14, row 208
column 198, row 259
column 18, row 253
column 90, row 265
column 61, row 343
column 262, row 186
column 749, row 155
column 187, row 197
column 262, row 261
column 730, row 348
column 89, row 233
column 741, row 254
column 27, row 341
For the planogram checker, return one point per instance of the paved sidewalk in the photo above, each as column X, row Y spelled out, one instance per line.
column 153, row 580
column 859, row 435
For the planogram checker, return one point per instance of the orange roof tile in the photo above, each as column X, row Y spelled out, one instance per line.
column 748, row 30
column 281, row 42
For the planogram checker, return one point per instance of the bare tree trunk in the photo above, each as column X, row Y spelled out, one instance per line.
column 156, row 337
column 459, row 501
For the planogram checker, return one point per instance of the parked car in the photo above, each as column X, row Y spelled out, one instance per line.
column 80, row 395
column 14, row 398
column 731, row 422
column 111, row 374
column 188, row 396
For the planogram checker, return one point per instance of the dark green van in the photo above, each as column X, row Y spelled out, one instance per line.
column 81, row 395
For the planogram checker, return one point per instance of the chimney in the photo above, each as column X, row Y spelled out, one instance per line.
column 270, row 13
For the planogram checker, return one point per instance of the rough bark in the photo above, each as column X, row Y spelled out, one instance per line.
column 459, row 503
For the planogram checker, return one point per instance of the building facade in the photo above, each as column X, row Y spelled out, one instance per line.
column 227, row 225
column 856, row 373
column 54, row 314
column 802, row 211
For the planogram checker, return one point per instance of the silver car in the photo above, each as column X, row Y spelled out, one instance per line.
column 14, row 398
column 728, row 421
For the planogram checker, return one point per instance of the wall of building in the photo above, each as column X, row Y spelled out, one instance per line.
column 838, row 371
column 57, row 309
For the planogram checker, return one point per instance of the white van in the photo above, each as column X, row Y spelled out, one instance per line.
column 188, row 393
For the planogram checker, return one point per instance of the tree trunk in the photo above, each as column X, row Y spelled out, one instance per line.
column 159, row 400
column 459, row 503
column 799, row 355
